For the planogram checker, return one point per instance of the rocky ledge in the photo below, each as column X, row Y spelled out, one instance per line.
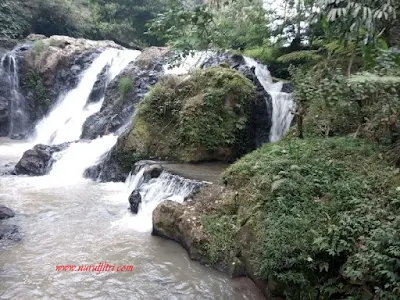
column 184, row 223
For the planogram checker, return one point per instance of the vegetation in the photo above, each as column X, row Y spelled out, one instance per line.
column 120, row 20
column 125, row 85
column 323, row 215
column 34, row 82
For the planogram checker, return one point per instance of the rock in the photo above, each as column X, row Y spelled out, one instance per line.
column 152, row 171
column 9, row 232
column 172, row 222
column 261, row 115
column 38, row 161
column 99, row 87
column 134, row 200
column 6, row 213
column 287, row 87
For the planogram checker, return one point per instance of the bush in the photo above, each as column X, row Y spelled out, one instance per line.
column 325, row 215
column 125, row 85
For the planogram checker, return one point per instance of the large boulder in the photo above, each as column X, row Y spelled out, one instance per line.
column 39, row 160
column 6, row 213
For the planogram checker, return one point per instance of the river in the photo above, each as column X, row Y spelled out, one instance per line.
column 83, row 222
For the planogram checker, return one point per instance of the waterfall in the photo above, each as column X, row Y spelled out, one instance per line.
column 166, row 187
column 65, row 121
column 71, row 163
column 17, row 107
column 282, row 103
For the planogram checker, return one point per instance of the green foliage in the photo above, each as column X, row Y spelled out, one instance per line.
column 203, row 28
column 327, row 217
column 366, row 103
column 124, row 20
column 34, row 82
column 264, row 54
column 61, row 17
column 13, row 20
column 221, row 230
column 125, row 84
column 304, row 55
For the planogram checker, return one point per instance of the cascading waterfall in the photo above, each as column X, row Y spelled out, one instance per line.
column 166, row 187
column 18, row 116
column 65, row 121
column 282, row 103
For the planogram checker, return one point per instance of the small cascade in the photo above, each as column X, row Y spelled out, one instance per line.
column 71, row 163
column 17, row 107
column 282, row 103
column 166, row 187
column 65, row 121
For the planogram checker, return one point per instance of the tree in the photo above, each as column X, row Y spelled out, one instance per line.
column 125, row 20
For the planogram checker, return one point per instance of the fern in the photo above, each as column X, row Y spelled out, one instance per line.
column 373, row 78
column 307, row 55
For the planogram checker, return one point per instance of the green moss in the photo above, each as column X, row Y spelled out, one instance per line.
column 34, row 82
column 125, row 85
column 203, row 117
column 318, row 216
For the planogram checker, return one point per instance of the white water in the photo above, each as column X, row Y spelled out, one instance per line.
column 282, row 103
column 65, row 121
column 165, row 187
column 18, row 115
column 79, row 156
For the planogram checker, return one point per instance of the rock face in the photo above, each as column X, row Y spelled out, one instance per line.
column 6, row 213
column 118, row 108
column 176, row 222
column 38, row 161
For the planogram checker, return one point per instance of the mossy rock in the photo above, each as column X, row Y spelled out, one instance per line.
column 201, row 117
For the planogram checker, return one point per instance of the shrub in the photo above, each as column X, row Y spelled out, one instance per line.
column 34, row 82
column 125, row 85
column 326, row 218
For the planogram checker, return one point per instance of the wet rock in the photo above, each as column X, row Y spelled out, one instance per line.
column 6, row 213
column 99, row 87
column 38, row 161
column 171, row 221
column 9, row 232
column 287, row 87
column 152, row 171
column 134, row 200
